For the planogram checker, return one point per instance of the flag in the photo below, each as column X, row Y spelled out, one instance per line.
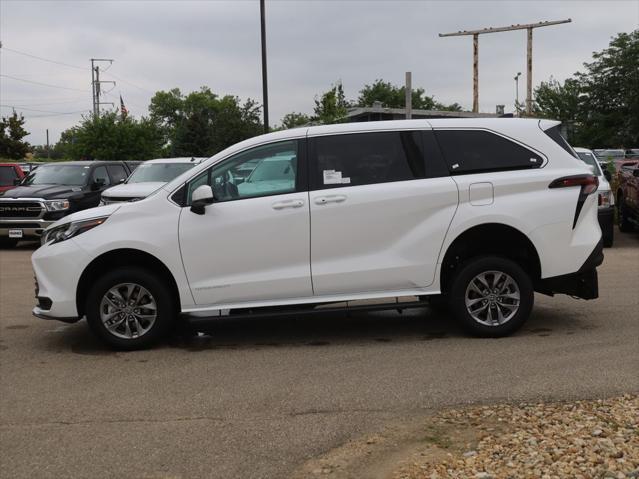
column 123, row 111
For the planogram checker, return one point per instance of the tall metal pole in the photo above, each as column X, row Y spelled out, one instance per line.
column 517, row 92
column 529, row 74
column 97, row 91
column 48, row 154
column 264, row 80
column 409, row 96
column 476, row 33
column 475, row 73
column 93, row 87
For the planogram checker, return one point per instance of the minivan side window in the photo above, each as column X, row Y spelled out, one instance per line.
column 477, row 151
column 262, row 171
column 366, row 158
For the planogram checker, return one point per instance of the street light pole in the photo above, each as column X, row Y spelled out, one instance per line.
column 264, row 80
column 517, row 92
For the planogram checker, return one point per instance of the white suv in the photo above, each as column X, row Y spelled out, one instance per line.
column 479, row 212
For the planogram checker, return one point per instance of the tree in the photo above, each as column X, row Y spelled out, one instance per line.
column 560, row 102
column 294, row 119
column 202, row 123
column 331, row 106
column 610, row 102
column 12, row 133
column 109, row 137
column 394, row 97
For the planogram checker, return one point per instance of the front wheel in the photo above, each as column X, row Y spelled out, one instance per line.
column 130, row 308
column 491, row 296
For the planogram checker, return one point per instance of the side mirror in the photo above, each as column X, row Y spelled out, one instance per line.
column 201, row 196
column 97, row 184
column 607, row 175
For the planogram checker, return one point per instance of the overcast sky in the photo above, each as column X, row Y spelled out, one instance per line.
column 311, row 44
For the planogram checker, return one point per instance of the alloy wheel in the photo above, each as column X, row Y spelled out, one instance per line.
column 492, row 298
column 128, row 310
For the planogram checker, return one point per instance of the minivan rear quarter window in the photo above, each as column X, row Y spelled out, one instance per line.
column 366, row 158
column 478, row 151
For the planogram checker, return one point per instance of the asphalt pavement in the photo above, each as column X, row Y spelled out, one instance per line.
column 257, row 398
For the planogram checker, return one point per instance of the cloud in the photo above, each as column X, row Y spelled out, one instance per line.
column 311, row 44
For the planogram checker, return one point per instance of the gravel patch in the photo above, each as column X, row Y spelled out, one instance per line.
column 583, row 440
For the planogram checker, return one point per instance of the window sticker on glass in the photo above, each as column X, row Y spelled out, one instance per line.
column 332, row 177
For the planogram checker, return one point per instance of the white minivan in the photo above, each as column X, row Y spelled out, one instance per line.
column 480, row 213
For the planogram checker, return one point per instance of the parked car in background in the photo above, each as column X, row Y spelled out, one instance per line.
column 147, row 178
column 10, row 175
column 632, row 154
column 51, row 192
column 606, row 210
column 617, row 157
column 481, row 211
column 628, row 197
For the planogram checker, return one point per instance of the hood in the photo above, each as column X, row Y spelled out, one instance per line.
column 107, row 210
column 133, row 190
column 47, row 192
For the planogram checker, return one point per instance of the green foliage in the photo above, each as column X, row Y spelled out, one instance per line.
column 109, row 137
column 331, row 106
column 392, row 96
column 56, row 152
column 294, row 119
column 601, row 104
column 610, row 86
column 202, row 123
column 12, row 133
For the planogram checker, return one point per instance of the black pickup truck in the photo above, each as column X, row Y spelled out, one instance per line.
column 53, row 191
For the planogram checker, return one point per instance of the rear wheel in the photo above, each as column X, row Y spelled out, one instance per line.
column 8, row 243
column 491, row 296
column 130, row 308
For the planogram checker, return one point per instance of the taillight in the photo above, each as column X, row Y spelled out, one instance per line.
column 588, row 184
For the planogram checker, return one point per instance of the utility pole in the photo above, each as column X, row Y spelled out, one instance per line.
column 264, row 80
column 517, row 92
column 96, row 90
column 409, row 96
column 48, row 154
column 475, row 33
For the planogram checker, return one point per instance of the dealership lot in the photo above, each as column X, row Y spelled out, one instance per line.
column 259, row 398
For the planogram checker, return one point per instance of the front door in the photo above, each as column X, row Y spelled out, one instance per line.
column 380, row 209
column 252, row 243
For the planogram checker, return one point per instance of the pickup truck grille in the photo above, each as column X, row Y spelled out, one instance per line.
column 20, row 209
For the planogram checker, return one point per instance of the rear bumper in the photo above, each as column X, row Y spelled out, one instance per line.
column 582, row 284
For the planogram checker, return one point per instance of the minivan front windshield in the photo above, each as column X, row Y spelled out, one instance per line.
column 161, row 172
column 70, row 175
column 590, row 160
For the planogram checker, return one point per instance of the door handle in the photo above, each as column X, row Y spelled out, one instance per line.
column 322, row 200
column 280, row 205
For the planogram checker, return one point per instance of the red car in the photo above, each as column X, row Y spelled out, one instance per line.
column 9, row 172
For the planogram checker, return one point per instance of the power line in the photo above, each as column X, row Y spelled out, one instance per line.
column 128, row 82
column 43, row 59
column 20, row 105
column 59, row 114
column 16, row 107
column 42, row 84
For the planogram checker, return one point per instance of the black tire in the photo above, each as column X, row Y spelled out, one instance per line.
column 160, row 293
column 625, row 226
column 608, row 237
column 8, row 243
column 485, row 264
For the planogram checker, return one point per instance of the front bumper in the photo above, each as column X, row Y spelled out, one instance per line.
column 31, row 228
column 57, row 268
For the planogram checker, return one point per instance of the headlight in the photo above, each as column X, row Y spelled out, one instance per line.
column 606, row 199
column 69, row 230
column 57, row 205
